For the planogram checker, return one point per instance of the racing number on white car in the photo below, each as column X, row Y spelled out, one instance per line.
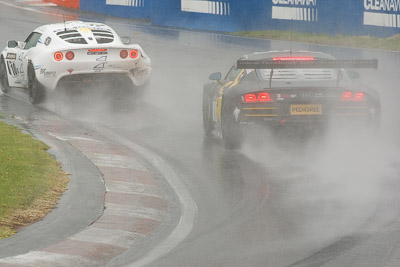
column 12, row 69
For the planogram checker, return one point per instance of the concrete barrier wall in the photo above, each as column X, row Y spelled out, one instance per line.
column 355, row 17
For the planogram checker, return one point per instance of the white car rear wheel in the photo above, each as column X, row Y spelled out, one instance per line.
column 5, row 87
column 35, row 89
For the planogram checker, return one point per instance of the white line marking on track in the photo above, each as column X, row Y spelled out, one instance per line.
column 47, row 259
column 119, row 161
column 43, row 4
column 108, row 236
column 37, row 3
column 71, row 138
column 188, row 205
column 133, row 211
column 134, row 188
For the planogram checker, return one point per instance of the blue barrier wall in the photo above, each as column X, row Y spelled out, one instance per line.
column 355, row 17
column 169, row 13
column 121, row 8
column 360, row 17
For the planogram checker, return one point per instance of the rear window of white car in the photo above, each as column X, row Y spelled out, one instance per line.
column 75, row 37
column 103, row 36
column 72, row 36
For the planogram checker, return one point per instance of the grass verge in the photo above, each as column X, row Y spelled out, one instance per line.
column 391, row 43
column 31, row 180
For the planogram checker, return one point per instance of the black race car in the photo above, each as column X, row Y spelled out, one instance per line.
column 281, row 88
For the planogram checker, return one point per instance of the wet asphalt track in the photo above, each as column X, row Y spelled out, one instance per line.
column 332, row 201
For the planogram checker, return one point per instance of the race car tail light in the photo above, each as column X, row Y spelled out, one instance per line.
column 133, row 53
column 264, row 97
column 347, row 96
column 58, row 56
column 260, row 97
column 351, row 96
column 250, row 98
column 123, row 54
column 70, row 55
column 358, row 96
column 293, row 58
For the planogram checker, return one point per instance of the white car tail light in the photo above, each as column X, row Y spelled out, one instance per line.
column 58, row 56
column 133, row 53
column 123, row 54
column 70, row 55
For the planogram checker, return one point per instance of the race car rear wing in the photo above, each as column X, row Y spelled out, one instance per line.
column 307, row 63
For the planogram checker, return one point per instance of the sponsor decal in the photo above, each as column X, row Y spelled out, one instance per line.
column 100, row 67
column 47, row 41
column 300, row 10
column 91, row 53
column 285, row 96
column 47, row 74
column 382, row 5
column 382, row 13
column 307, row 95
column 132, row 3
column 84, row 30
column 50, row 74
column 305, row 109
column 207, row 7
column 70, row 71
column 80, row 28
column 11, row 56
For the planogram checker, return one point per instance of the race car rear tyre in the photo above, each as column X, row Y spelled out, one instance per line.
column 231, row 132
column 5, row 87
column 208, row 124
column 35, row 89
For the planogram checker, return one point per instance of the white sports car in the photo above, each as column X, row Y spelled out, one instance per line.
column 68, row 53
